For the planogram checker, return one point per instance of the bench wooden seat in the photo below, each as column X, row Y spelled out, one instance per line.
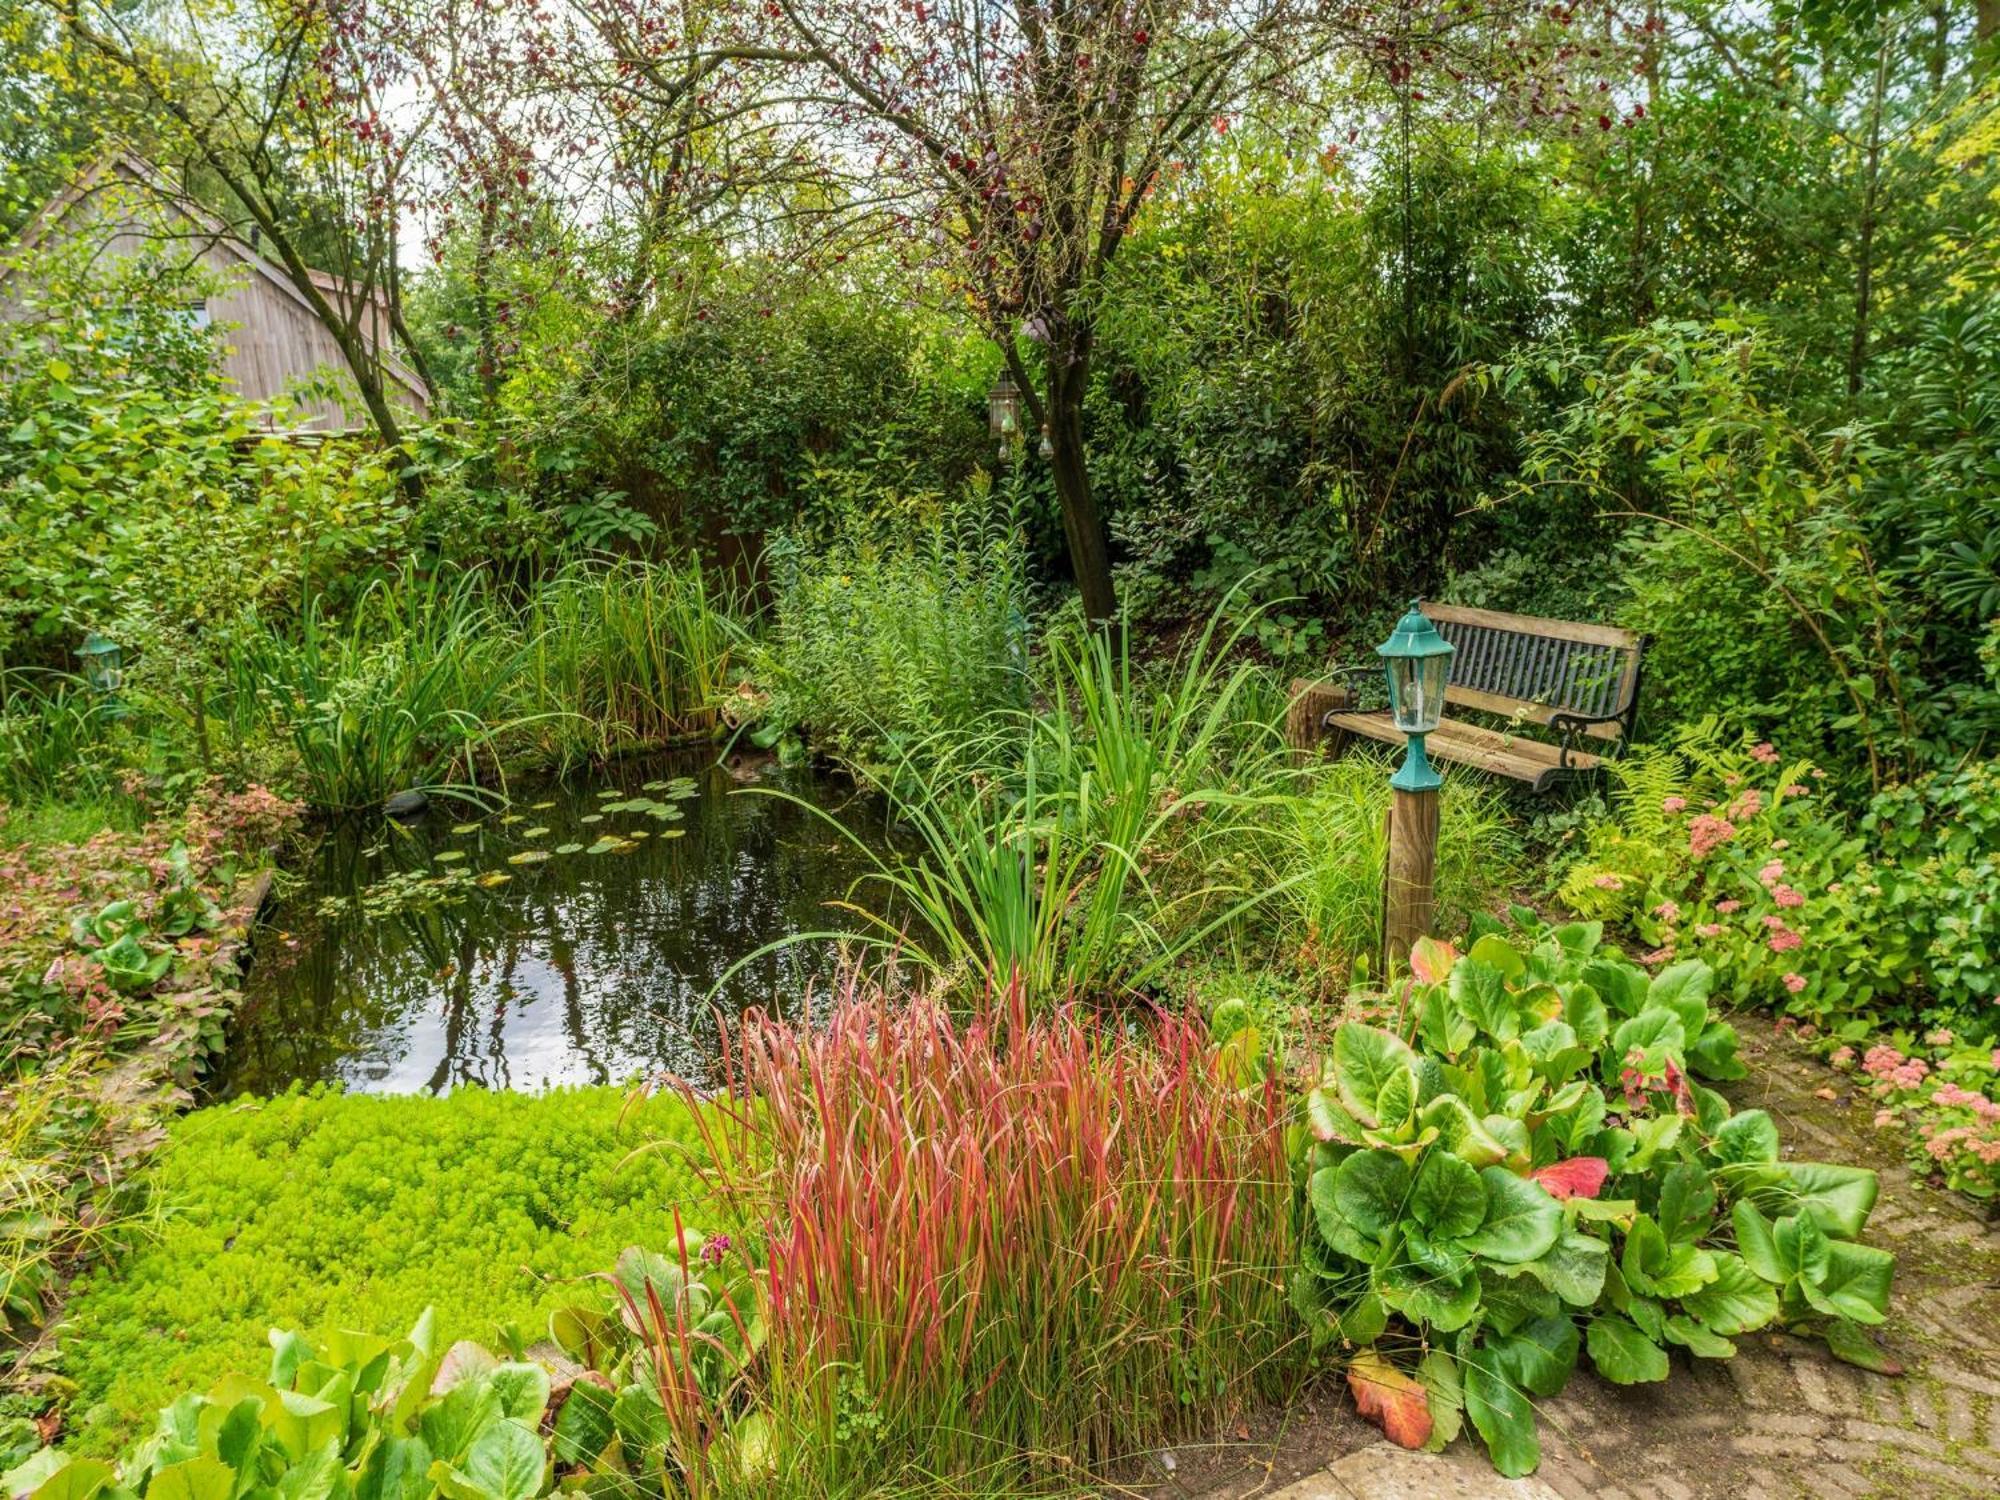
column 1577, row 682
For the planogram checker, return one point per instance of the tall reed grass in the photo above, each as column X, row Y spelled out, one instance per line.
column 1328, row 858
column 53, row 733
column 428, row 678
column 1085, row 847
column 625, row 653
column 402, row 692
column 1005, row 1253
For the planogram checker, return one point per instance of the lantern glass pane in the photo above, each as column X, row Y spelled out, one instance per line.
column 1004, row 411
column 1416, row 692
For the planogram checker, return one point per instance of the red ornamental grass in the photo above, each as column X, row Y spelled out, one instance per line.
column 1023, row 1238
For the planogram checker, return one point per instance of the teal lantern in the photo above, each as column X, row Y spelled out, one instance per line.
column 1418, row 662
column 103, row 663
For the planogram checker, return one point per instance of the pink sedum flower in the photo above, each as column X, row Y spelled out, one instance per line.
column 1671, row 805
column 1795, row 982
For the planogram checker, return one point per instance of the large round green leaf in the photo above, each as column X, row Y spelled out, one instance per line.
column 1504, row 1417
column 1370, row 1192
column 1522, row 1221
column 1448, row 1198
column 1365, row 1060
column 1623, row 1355
column 1737, row 1301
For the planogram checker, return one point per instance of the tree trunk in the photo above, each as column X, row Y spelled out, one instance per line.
column 1864, row 252
column 1083, row 525
column 1640, row 270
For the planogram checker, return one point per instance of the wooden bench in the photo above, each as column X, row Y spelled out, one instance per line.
column 1578, row 682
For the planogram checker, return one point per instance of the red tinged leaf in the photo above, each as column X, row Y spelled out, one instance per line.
column 1431, row 960
column 1393, row 1401
column 1579, row 1177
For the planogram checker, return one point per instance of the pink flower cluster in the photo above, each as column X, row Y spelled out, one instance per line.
column 1885, row 1063
column 1765, row 752
column 1672, row 805
column 1706, row 832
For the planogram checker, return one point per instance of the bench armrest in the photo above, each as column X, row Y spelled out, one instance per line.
column 1358, row 676
column 1570, row 726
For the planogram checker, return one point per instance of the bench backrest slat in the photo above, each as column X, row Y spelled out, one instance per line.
column 1527, row 667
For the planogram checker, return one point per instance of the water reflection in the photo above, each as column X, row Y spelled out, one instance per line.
column 582, row 968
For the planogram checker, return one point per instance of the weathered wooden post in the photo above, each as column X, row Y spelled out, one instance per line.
column 1418, row 661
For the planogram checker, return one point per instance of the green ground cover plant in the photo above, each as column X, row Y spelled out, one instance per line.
column 317, row 1210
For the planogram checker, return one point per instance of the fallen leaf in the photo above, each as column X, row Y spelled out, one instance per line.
column 1390, row 1399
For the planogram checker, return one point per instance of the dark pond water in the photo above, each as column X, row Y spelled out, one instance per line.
column 574, row 938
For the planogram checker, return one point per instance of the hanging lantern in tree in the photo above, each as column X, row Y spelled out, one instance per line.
column 1003, row 410
column 1418, row 662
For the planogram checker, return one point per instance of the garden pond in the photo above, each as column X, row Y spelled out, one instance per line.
column 575, row 936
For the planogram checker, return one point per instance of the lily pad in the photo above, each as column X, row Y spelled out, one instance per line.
column 540, row 806
column 492, row 878
column 528, row 857
column 605, row 845
column 539, row 831
column 569, row 848
column 446, row 856
column 513, row 817
column 465, row 828
column 591, row 818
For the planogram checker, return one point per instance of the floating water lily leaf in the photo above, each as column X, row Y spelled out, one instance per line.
column 540, row 806
column 606, row 844
column 591, row 818
column 656, row 786
column 513, row 817
column 639, row 833
column 528, row 857
column 569, row 848
column 465, row 828
column 539, row 831
column 492, row 878
column 446, row 856
column 672, row 833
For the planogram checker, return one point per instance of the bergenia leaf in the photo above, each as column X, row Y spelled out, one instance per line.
column 1522, row 1221
column 1393, row 1401
column 1579, row 1177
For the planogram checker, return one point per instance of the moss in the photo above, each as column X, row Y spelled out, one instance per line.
column 318, row 1211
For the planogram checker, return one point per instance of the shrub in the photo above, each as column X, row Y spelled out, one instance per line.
column 314, row 1210
column 999, row 1251
column 1946, row 1095
column 877, row 645
column 1536, row 1172
column 1732, row 853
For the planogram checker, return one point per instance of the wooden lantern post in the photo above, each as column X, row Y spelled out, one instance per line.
column 1418, row 662
column 1412, row 874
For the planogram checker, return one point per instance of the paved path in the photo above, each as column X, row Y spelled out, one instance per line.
column 1781, row 1419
